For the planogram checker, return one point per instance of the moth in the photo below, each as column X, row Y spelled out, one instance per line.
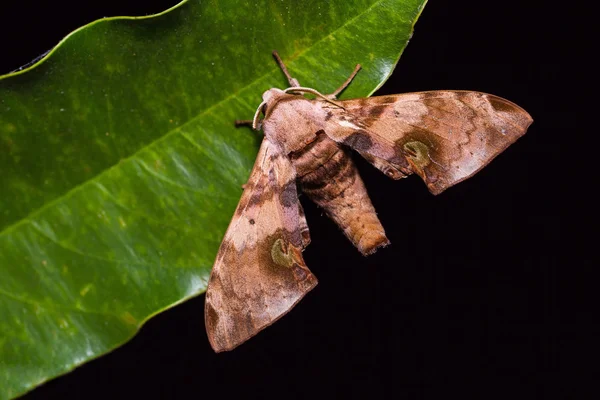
column 442, row 136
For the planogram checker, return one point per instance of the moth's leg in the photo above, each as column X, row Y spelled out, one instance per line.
column 242, row 122
column 292, row 81
column 303, row 226
column 344, row 85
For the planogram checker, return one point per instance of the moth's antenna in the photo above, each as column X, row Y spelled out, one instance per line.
column 313, row 91
column 255, row 121
column 293, row 81
column 347, row 82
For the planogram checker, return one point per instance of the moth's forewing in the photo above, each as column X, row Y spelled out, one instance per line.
column 443, row 136
column 259, row 273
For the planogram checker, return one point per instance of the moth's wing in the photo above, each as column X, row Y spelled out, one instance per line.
column 443, row 136
column 259, row 273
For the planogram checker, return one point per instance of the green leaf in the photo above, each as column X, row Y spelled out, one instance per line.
column 121, row 166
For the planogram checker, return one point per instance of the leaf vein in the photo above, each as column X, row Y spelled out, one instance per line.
column 75, row 250
column 53, row 307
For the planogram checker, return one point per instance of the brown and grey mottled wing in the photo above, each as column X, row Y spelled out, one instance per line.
column 259, row 273
column 443, row 136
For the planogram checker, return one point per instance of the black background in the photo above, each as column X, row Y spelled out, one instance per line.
column 484, row 290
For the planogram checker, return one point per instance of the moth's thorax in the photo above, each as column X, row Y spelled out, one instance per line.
column 291, row 120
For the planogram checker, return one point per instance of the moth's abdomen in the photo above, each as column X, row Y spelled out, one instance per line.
column 328, row 176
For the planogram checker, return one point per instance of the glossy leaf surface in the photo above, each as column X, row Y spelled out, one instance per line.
column 121, row 165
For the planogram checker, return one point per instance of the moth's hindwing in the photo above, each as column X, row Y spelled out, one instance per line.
column 259, row 273
column 443, row 136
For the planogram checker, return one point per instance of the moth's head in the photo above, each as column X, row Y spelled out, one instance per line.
column 270, row 98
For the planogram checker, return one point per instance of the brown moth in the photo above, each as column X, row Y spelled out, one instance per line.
column 443, row 136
